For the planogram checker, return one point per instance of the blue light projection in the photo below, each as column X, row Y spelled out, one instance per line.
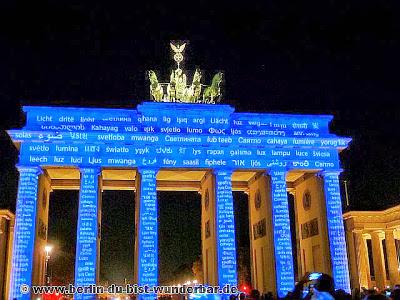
column 25, row 223
column 87, row 231
column 340, row 269
column 282, row 235
column 225, row 231
column 148, row 230
column 174, row 135
column 157, row 155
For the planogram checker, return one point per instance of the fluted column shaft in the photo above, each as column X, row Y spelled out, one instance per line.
column 378, row 258
column 362, row 259
column 147, row 229
column 225, row 228
column 88, row 231
column 336, row 233
column 24, row 233
column 391, row 252
column 281, row 232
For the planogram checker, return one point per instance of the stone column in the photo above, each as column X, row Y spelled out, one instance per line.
column 281, row 232
column 391, row 252
column 9, row 257
column 225, row 228
column 362, row 264
column 6, row 232
column 298, row 237
column 38, row 271
column 208, row 231
column 3, row 252
column 353, row 263
column 336, row 233
column 378, row 258
column 88, row 231
column 24, row 232
column 146, row 244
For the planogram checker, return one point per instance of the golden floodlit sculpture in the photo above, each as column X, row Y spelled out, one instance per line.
column 177, row 90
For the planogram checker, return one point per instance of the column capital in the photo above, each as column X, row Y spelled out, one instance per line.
column 324, row 173
column 389, row 230
column 221, row 170
column 380, row 234
column 276, row 171
column 140, row 169
column 271, row 169
column 29, row 169
column 377, row 231
column 90, row 170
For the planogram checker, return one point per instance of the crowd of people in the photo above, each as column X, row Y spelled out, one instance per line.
column 322, row 288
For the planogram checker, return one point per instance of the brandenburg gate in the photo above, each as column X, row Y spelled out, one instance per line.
column 208, row 148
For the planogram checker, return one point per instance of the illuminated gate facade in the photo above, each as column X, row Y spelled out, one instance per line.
column 169, row 146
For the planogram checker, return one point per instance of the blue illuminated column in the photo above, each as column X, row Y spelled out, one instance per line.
column 281, row 233
column 24, row 233
column 225, row 228
column 87, row 250
column 336, row 233
column 147, row 231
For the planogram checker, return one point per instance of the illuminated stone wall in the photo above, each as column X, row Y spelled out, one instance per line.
column 261, row 239
column 175, row 136
column 311, row 221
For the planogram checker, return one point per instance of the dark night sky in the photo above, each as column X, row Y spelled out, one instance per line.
column 337, row 57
